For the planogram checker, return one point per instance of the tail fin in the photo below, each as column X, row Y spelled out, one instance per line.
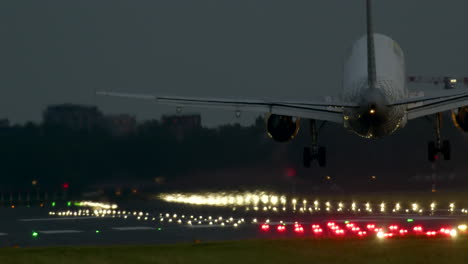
column 371, row 70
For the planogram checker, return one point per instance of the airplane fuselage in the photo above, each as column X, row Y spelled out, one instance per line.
column 374, row 118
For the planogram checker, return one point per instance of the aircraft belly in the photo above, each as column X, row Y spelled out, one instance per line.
column 392, row 120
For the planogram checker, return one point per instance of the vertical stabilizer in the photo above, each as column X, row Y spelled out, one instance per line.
column 371, row 71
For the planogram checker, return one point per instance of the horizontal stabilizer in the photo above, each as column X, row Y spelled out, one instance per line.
column 446, row 81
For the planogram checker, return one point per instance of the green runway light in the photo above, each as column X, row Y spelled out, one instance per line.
column 53, row 204
column 159, row 229
column 346, row 222
column 98, row 232
column 69, row 204
column 410, row 220
column 35, row 234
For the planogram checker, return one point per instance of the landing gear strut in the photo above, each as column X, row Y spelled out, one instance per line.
column 434, row 148
column 315, row 152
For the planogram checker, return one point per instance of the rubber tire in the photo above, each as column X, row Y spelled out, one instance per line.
column 307, row 157
column 446, row 150
column 431, row 151
column 322, row 157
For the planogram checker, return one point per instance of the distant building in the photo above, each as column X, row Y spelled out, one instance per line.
column 148, row 127
column 4, row 123
column 121, row 125
column 182, row 121
column 75, row 117
column 182, row 124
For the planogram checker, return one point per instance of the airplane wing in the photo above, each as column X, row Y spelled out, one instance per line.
column 328, row 109
column 433, row 102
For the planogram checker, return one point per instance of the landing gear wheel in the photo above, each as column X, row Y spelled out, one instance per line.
column 316, row 152
column 439, row 146
column 446, row 150
column 307, row 157
column 431, row 151
column 322, row 157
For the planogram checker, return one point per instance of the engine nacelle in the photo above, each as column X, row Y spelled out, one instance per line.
column 460, row 118
column 282, row 128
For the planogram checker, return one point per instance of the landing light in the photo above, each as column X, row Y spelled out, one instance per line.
column 372, row 111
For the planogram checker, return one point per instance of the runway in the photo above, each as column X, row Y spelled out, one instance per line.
column 165, row 224
column 56, row 231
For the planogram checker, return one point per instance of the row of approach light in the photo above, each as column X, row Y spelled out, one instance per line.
column 267, row 202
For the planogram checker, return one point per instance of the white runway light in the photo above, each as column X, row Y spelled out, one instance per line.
column 256, row 198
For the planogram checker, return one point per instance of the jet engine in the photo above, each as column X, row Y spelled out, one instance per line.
column 282, row 128
column 460, row 118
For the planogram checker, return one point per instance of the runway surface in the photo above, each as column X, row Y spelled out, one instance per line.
column 33, row 227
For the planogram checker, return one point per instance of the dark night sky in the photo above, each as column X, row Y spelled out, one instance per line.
column 61, row 51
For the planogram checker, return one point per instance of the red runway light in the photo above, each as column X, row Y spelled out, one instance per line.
column 403, row 232
column 291, row 172
column 299, row 230
column 370, row 226
column 339, row 232
column 281, row 228
column 445, row 231
column 362, row 233
column 418, row 229
column 265, row 227
column 330, row 224
column 318, row 231
column 315, row 226
column 393, row 227
column 431, row 233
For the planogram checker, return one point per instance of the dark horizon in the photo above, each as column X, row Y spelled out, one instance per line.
column 229, row 156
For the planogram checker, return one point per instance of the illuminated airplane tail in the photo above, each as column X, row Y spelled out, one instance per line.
column 371, row 69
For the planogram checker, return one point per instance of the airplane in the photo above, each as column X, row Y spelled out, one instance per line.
column 375, row 101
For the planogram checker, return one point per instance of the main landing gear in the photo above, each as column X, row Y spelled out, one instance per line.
column 315, row 152
column 439, row 146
